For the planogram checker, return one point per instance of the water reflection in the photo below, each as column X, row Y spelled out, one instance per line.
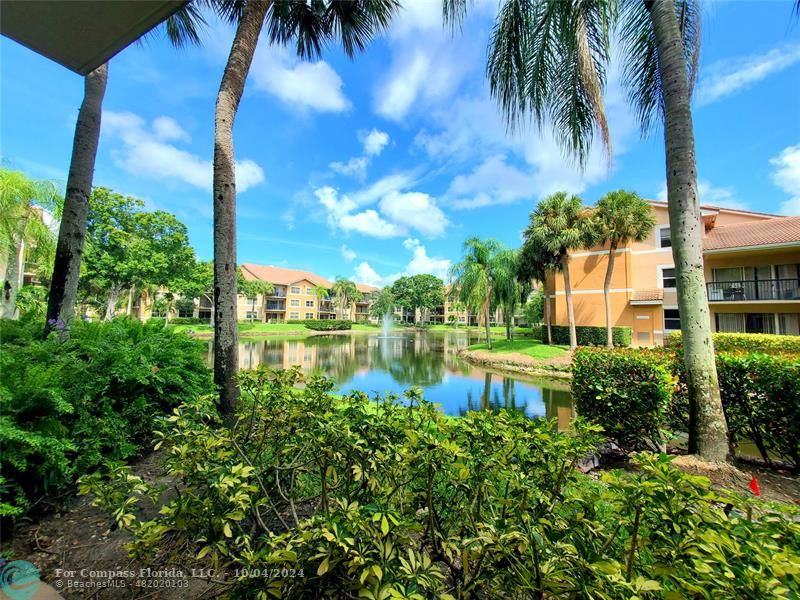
column 377, row 364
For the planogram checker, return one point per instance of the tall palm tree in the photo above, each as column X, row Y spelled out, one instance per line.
column 621, row 217
column 310, row 26
column 473, row 278
column 507, row 291
column 346, row 292
column 534, row 264
column 181, row 27
column 22, row 201
column 559, row 224
column 547, row 59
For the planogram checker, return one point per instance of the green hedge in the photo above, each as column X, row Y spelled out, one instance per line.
column 620, row 389
column 747, row 342
column 627, row 392
column 66, row 407
column 588, row 336
column 328, row 324
column 187, row 321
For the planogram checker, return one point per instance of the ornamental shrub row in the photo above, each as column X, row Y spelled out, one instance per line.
column 637, row 395
column 588, row 336
column 357, row 497
column 328, row 324
column 747, row 342
column 65, row 407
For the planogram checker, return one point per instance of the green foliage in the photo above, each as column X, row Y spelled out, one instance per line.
column 589, row 336
column 67, row 406
column 32, row 300
column 418, row 292
column 186, row 321
column 628, row 393
column 747, row 342
column 534, row 309
column 328, row 324
column 370, row 498
column 345, row 292
column 383, row 303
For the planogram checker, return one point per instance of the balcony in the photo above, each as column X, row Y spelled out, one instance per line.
column 279, row 306
column 752, row 290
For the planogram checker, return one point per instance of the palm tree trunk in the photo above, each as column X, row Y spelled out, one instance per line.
column 547, row 318
column 709, row 435
column 14, row 271
column 486, row 305
column 607, row 294
column 129, row 307
column 573, row 337
column 226, row 349
column 72, row 231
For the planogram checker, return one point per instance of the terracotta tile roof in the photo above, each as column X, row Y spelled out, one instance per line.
column 282, row 276
column 780, row 230
column 647, row 295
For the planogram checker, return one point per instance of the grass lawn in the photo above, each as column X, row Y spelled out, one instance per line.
column 495, row 329
column 262, row 328
column 529, row 347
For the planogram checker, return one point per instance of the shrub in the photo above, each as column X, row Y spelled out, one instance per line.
column 67, row 406
column 589, row 336
column 328, row 324
column 186, row 321
column 375, row 499
column 747, row 342
column 627, row 392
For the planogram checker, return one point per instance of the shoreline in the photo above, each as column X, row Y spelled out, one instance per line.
column 209, row 335
column 516, row 364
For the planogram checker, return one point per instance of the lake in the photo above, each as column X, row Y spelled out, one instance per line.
column 376, row 364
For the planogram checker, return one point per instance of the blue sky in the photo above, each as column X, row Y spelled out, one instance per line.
column 381, row 166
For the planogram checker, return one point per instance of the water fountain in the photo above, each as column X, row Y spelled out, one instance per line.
column 387, row 325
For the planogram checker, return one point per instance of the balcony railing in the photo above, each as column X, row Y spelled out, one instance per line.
column 749, row 290
column 275, row 306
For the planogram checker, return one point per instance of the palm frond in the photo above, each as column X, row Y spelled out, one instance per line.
column 640, row 75
column 184, row 26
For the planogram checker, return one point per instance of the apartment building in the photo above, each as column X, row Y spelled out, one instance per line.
column 752, row 271
column 296, row 295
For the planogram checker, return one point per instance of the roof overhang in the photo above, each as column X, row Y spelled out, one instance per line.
column 760, row 248
column 81, row 34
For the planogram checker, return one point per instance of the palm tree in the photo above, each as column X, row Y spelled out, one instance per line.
column 473, row 278
column 534, row 264
column 311, row 26
column 346, row 292
column 621, row 217
column 561, row 223
column 22, row 201
column 547, row 59
column 507, row 291
column 322, row 293
column 181, row 27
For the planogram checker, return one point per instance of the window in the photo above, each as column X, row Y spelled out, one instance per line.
column 251, row 315
column 295, row 290
column 461, row 319
column 745, row 323
column 294, row 315
column 309, row 291
column 789, row 324
column 309, row 304
column 294, row 302
column 668, row 277
column 662, row 238
column 309, row 315
column 672, row 319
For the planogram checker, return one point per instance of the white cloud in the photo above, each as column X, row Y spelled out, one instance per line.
column 729, row 76
column 355, row 167
column 420, row 263
column 369, row 222
column 168, row 130
column 347, row 253
column 145, row 152
column 374, row 141
column 786, row 175
column 314, row 86
column 415, row 210
column 492, row 182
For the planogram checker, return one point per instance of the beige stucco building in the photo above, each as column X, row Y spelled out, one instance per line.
column 752, row 268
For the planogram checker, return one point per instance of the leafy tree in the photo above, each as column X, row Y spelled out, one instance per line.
column 252, row 288
column 383, row 303
column 473, row 278
column 22, row 228
column 534, row 308
column 198, row 282
column 345, row 292
column 181, row 27
column 621, row 217
column 424, row 292
column 507, row 291
column 310, row 26
column 535, row 262
column 547, row 59
column 559, row 224
column 127, row 247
